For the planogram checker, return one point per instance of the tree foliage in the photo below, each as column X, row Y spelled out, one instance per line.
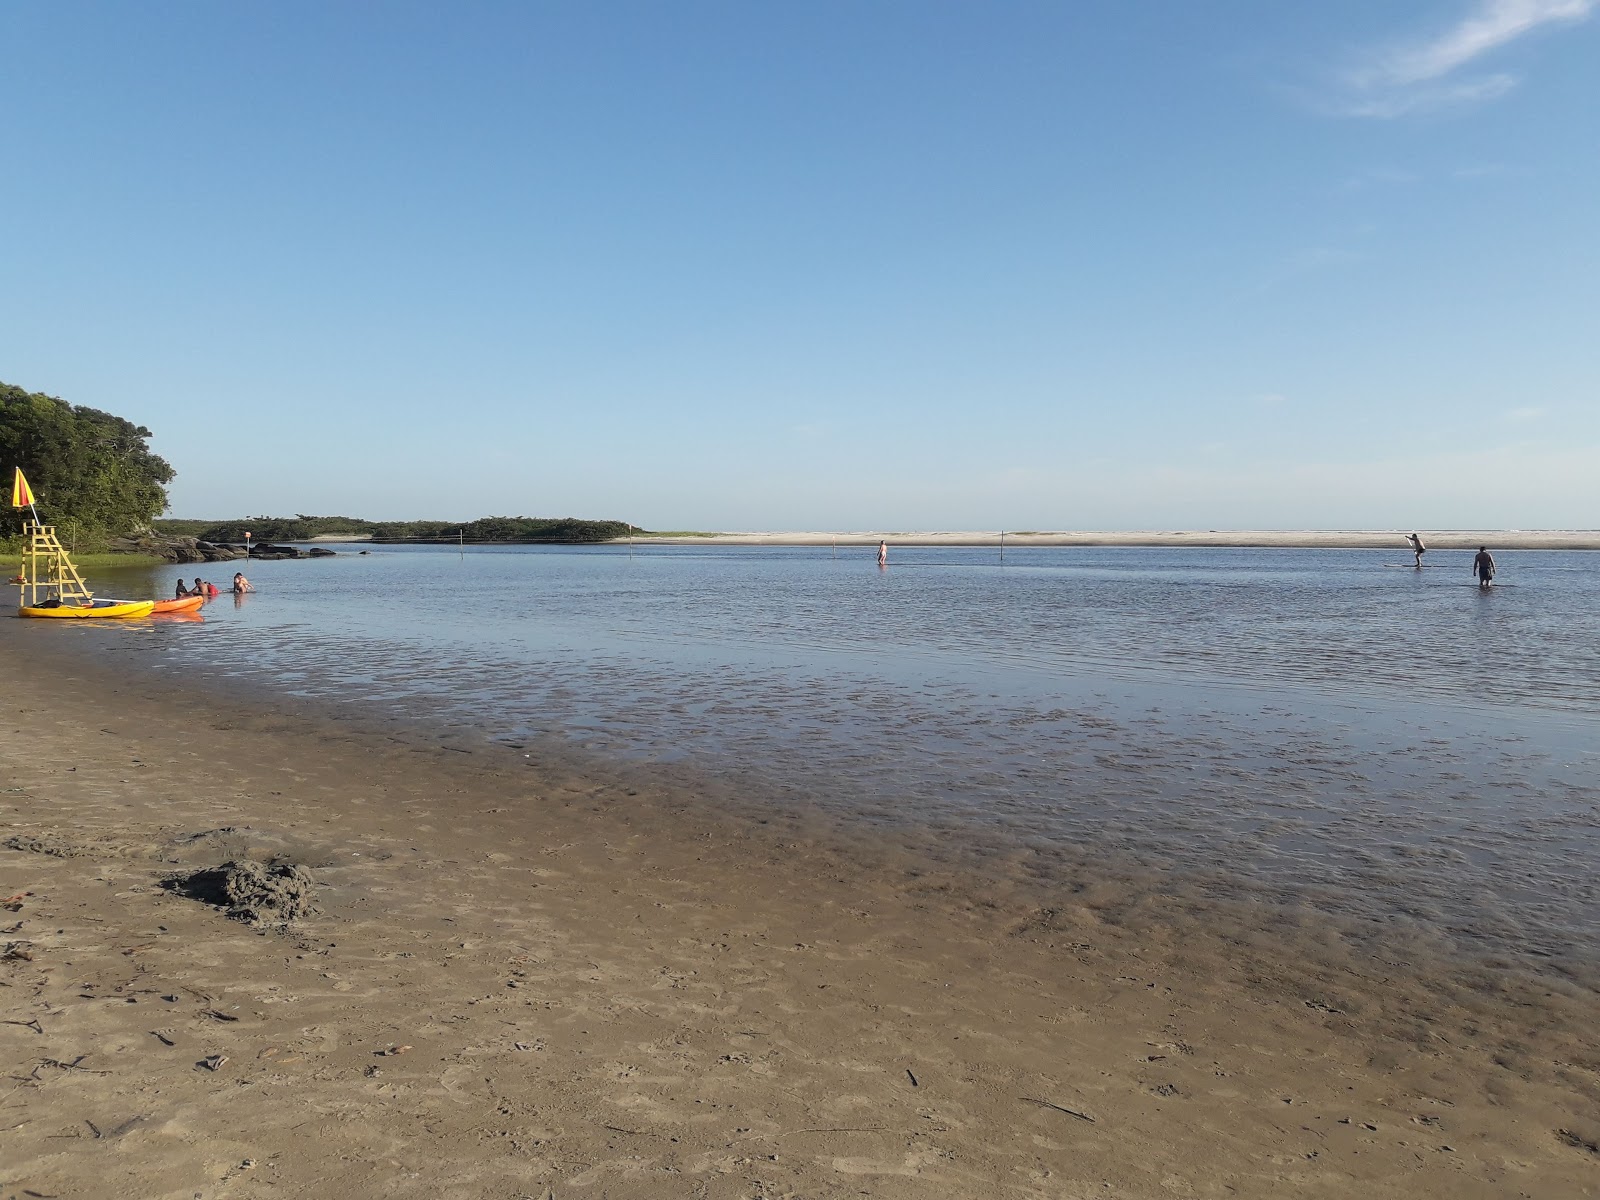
column 90, row 471
column 561, row 530
column 267, row 529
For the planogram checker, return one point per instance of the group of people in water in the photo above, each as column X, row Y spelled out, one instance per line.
column 1482, row 561
column 241, row 585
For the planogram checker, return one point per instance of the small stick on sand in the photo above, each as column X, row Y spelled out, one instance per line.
column 1071, row 1112
column 842, row 1129
column 33, row 1076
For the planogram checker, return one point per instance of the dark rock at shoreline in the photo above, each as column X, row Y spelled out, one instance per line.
column 193, row 550
column 174, row 549
column 215, row 553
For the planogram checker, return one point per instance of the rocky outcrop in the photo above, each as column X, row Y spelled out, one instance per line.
column 193, row 550
column 174, row 549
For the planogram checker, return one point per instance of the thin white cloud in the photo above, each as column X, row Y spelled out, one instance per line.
column 1404, row 102
column 1422, row 76
column 1495, row 23
column 1527, row 413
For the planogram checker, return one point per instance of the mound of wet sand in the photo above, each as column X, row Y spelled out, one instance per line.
column 256, row 894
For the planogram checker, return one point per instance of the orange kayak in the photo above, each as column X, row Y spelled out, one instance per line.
column 181, row 604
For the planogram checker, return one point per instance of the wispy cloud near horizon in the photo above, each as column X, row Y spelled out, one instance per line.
column 1420, row 76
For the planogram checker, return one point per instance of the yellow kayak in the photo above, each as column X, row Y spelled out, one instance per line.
column 99, row 608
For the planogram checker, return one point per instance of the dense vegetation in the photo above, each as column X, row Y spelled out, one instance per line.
column 95, row 478
column 485, row 529
column 91, row 472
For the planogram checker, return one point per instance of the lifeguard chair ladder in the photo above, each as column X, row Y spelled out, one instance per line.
column 47, row 572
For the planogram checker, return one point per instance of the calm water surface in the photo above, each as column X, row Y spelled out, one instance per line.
column 1331, row 726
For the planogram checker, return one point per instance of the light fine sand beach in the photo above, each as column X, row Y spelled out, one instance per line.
column 527, row 976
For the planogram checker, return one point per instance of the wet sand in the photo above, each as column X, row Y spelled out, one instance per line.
column 529, row 974
column 1328, row 539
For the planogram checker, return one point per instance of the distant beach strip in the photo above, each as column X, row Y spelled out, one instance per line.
column 1312, row 539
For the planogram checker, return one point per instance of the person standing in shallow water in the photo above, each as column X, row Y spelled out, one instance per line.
column 1483, row 566
column 883, row 554
column 1417, row 547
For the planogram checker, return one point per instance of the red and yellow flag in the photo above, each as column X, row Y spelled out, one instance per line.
column 21, row 493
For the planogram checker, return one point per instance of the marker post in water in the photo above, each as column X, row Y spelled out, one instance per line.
column 247, row 545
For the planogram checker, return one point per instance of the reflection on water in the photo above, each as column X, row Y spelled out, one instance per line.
column 1332, row 725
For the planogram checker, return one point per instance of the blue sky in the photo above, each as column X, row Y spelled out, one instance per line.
column 914, row 265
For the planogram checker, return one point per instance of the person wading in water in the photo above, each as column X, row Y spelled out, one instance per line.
column 1483, row 566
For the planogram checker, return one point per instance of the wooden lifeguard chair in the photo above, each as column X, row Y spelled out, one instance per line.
column 50, row 583
column 48, row 572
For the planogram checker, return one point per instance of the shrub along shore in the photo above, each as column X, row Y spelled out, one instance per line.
column 558, row 530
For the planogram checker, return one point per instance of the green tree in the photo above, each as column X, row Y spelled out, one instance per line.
column 90, row 470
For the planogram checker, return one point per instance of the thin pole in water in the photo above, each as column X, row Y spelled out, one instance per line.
column 461, row 542
column 630, row 542
column 1002, row 547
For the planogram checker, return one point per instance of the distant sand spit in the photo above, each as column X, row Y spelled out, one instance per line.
column 527, row 973
column 1452, row 539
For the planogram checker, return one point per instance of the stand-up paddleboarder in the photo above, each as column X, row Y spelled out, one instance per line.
column 1483, row 566
column 1417, row 547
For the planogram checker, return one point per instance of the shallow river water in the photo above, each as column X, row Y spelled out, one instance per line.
column 1322, row 727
